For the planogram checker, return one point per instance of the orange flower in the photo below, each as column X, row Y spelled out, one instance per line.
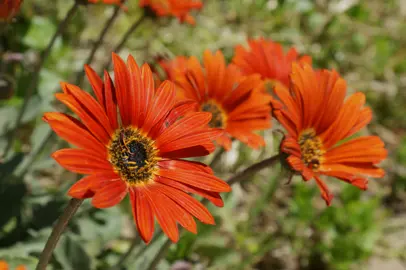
column 320, row 124
column 4, row 266
column 9, row 8
column 140, row 151
column 176, row 8
column 266, row 58
column 173, row 66
column 239, row 104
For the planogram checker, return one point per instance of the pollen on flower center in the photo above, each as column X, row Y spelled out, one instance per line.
column 218, row 118
column 133, row 155
column 311, row 148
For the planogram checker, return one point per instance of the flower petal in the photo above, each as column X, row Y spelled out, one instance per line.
column 110, row 194
column 197, row 179
column 142, row 213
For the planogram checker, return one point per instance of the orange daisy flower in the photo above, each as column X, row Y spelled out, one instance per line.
column 319, row 125
column 172, row 66
column 266, row 58
column 138, row 152
column 176, row 8
column 9, row 8
column 239, row 104
column 4, row 266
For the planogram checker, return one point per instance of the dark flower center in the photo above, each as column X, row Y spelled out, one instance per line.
column 311, row 148
column 133, row 155
column 218, row 118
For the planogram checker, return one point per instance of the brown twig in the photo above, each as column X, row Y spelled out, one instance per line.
column 60, row 226
column 80, row 75
column 124, row 39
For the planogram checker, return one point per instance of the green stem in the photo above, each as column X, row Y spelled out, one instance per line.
column 124, row 39
column 60, row 226
column 109, row 23
column 35, row 75
column 127, row 254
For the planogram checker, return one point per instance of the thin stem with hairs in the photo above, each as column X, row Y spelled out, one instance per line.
column 124, row 39
column 57, row 231
column 97, row 44
column 35, row 74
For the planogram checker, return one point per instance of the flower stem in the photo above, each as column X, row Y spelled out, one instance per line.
column 253, row 169
column 80, row 75
column 127, row 254
column 124, row 39
column 60, row 226
column 35, row 74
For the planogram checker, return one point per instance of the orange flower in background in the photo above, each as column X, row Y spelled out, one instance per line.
column 140, row 151
column 173, row 66
column 239, row 104
column 9, row 8
column 4, row 266
column 267, row 58
column 319, row 125
column 176, row 8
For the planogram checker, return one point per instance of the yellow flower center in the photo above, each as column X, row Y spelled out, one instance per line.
column 133, row 155
column 311, row 148
column 218, row 119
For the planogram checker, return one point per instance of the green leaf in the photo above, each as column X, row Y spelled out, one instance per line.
column 40, row 33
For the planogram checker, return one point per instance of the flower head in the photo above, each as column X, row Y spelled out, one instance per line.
column 173, row 66
column 176, row 8
column 138, row 152
column 267, row 58
column 238, row 103
column 319, row 125
column 9, row 8
column 4, row 266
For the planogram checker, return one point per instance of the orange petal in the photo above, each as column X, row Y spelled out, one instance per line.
column 123, row 90
column 188, row 124
column 213, row 197
column 110, row 194
column 142, row 213
column 164, row 216
column 325, row 193
column 110, row 100
column 96, row 83
column 197, row 179
column 82, row 161
column 161, row 105
column 189, row 203
column 73, row 131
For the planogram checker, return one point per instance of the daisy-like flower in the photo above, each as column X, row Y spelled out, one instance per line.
column 267, row 58
column 173, row 66
column 319, row 124
column 238, row 103
column 4, row 266
column 9, row 8
column 138, row 152
column 176, row 8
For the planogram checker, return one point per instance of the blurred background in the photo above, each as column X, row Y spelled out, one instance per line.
column 264, row 224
